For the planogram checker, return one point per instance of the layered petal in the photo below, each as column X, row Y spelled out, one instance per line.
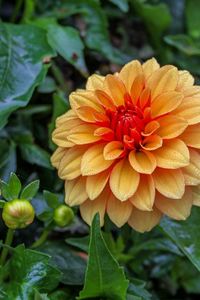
column 170, row 183
column 93, row 161
column 83, row 134
column 189, row 110
column 95, row 82
column 192, row 171
column 191, row 136
column 113, row 150
column 116, row 88
column 173, row 154
column 124, row 180
column 118, row 211
column 84, row 98
column 196, row 195
column 96, row 183
column 142, row 161
column 150, row 66
column 90, row 208
column 57, row 156
column 171, row 126
column 178, row 209
column 129, row 72
column 75, row 192
column 144, row 220
column 144, row 197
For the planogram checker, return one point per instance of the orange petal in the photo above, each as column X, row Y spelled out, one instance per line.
column 84, row 98
column 150, row 128
column 96, row 183
column 136, row 88
column 105, row 100
column 192, row 91
column 178, row 209
column 145, row 98
column 90, row 208
column 89, row 114
column 129, row 72
column 69, row 115
column 57, row 156
column 165, row 103
column 144, row 220
column 185, row 80
column 169, row 183
column 173, row 154
column 171, row 126
column 60, row 134
column 95, row 82
column 83, row 134
column 116, row 89
column 70, row 164
column 93, row 161
column 124, row 180
column 105, row 133
column 142, row 161
column 75, row 192
column 119, row 212
column 192, row 171
column 113, row 150
column 150, row 66
column 191, row 136
column 189, row 110
column 196, row 195
column 163, row 80
column 151, row 142
column 144, row 197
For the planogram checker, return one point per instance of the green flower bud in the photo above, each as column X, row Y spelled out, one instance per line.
column 63, row 215
column 18, row 213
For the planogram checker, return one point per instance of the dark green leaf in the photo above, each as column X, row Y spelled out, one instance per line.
column 137, row 288
column 39, row 296
column 2, row 202
column 29, row 270
column 80, row 243
column 30, row 190
column 22, row 51
column 66, row 41
column 35, row 155
column 192, row 18
column 122, row 4
column 8, row 162
column 51, row 199
column 69, row 263
column 14, row 186
column 183, row 43
column 104, row 277
column 186, row 235
column 48, row 85
column 5, row 191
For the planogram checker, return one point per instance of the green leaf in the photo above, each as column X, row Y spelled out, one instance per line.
column 137, row 288
column 67, row 261
column 8, row 162
column 30, row 190
column 35, row 155
column 122, row 4
column 5, row 191
column 183, row 43
column 80, row 243
column 2, row 202
column 23, row 48
column 186, row 235
column 30, row 270
column 48, row 85
column 104, row 277
column 14, row 186
column 192, row 18
column 97, row 34
column 51, row 199
column 66, row 41
column 39, row 296
column 156, row 18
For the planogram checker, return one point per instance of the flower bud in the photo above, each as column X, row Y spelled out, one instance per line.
column 63, row 215
column 18, row 213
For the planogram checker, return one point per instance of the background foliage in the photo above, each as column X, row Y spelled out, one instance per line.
column 47, row 49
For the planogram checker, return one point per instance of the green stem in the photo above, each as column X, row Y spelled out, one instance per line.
column 8, row 242
column 16, row 10
column 59, row 77
column 41, row 239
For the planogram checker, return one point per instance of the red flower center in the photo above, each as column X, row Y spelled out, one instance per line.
column 128, row 123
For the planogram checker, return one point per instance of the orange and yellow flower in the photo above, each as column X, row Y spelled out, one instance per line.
column 129, row 145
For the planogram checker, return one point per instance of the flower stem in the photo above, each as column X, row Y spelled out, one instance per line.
column 8, row 242
column 41, row 239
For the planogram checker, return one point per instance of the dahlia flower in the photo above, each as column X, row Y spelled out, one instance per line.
column 129, row 146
